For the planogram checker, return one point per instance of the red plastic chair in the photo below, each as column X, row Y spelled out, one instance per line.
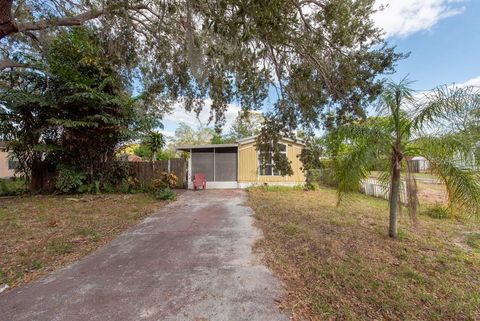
column 199, row 180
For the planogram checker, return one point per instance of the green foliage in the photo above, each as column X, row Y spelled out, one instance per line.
column 219, row 139
column 74, row 116
column 396, row 134
column 318, row 55
column 437, row 212
column 473, row 240
column 60, row 246
column 11, row 187
column 69, row 180
column 154, row 142
column 165, row 194
column 246, row 124
column 186, row 135
column 88, row 232
column 144, row 152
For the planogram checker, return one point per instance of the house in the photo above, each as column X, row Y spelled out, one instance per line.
column 7, row 165
column 240, row 165
column 420, row 164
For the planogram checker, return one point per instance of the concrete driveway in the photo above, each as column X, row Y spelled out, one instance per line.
column 192, row 260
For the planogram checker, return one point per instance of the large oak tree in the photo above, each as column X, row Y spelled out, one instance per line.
column 323, row 57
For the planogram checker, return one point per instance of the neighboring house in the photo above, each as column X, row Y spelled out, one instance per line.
column 7, row 165
column 240, row 165
column 420, row 164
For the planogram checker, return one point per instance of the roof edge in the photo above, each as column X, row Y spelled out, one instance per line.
column 253, row 138
column 187, row 147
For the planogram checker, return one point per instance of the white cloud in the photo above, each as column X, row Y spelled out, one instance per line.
column 472, row 82
column 179, row 115
column 402, row 18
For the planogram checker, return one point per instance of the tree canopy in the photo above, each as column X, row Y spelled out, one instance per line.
column 74, row 116
column 323, row 57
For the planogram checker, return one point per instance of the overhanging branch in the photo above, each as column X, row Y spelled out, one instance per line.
column 8, row 25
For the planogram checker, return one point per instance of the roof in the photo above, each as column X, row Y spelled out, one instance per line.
column 239, row 142
column 188, row 147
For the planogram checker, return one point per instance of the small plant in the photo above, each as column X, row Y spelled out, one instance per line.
column 165, row 194
column 61, row 247
column 89, row 233
column 133, row 183
column 166, row 180
column 437, row 212
column 473, row 240
column 69, row 180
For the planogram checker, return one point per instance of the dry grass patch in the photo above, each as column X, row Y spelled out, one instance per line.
column 43, row 233
column 339, row 264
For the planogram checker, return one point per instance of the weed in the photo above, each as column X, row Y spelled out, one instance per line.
column 473, row 240
column 35, row 265
column 291, row 229
column 437, row 212
column 89, row 232
column 59, row 246
column 165, row 194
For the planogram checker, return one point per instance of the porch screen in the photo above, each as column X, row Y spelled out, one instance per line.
column 226, row 164
column 202, row 161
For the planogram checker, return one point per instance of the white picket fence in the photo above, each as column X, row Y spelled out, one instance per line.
column 373, row 187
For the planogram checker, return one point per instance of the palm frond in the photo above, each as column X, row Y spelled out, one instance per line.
column 449, row 158
column 437, row 104
column 362, row 144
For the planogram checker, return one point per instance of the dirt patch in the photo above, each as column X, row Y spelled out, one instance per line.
column 43, row 233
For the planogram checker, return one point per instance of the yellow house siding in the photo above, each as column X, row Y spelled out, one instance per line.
column 248, row 165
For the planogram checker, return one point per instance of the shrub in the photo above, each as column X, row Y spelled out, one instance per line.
column 69, row 180
column 165, row 194
column 166, row 180
column 437, row 211
column 11, row 187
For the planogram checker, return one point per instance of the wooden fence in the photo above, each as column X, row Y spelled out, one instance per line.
column 145, row 172
column 46, row 175
column 375, row 188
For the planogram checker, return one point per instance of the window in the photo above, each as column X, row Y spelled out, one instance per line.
column 12, row 164
column 266, row 164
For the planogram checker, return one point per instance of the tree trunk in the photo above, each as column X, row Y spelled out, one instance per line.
column 394, row 195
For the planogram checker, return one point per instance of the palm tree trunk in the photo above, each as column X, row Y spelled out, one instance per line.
column 394, row 195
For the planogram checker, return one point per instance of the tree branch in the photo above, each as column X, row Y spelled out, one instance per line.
column 8, row 63
column 9, row 26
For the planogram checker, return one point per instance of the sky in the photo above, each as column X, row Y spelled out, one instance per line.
column 442, row 36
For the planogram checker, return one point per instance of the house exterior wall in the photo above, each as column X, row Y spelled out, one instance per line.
column 248, row 165
column 4, row 171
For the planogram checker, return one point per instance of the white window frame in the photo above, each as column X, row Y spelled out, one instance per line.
column 274, row 170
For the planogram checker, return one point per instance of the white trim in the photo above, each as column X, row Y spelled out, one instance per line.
column 214, row 165
column 220, row 185
column 189, row 176
column 253, row 184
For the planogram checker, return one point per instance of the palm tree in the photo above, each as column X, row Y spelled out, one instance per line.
column 402, row 129
column 154, row 141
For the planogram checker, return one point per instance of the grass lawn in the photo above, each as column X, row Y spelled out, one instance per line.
column 338, row 263
column 43, row 233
